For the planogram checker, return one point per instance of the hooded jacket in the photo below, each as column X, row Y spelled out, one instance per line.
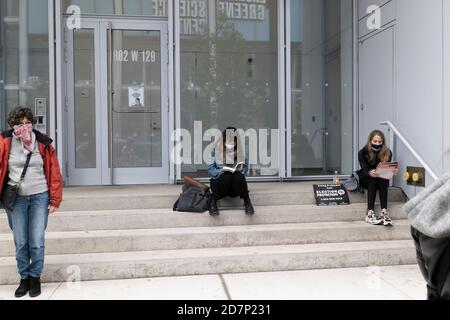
column 52, row 169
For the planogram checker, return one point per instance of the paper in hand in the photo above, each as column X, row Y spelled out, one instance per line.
column 387, row 170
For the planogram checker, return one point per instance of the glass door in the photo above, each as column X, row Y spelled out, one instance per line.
column 117, row 103
column 83, row 105
column 137, row 117
column 320, row 88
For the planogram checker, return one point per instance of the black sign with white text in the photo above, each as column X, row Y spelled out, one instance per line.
column 331, row 195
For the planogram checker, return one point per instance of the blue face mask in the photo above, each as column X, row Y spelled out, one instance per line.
column 377, row 147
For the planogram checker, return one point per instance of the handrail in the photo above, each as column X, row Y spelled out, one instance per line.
column 406, row 143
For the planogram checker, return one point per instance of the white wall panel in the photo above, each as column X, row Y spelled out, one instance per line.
column 419, row 71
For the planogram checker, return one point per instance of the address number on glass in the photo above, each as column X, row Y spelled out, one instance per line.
column 146, row 56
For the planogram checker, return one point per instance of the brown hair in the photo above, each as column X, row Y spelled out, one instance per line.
column 18, row 113
column 221, row 151
column 384, row 153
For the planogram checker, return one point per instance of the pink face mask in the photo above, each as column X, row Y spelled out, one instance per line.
column 24, row 133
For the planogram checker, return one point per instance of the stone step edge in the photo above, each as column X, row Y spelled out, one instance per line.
column 106, row 212
column 87, row 267
column 176, row 193
column 136, row 256
column 229, row 229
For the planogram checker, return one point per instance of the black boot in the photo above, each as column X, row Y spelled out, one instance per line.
column 35, row 287
column 249, row 210
column 23, row 288
column 213, row 209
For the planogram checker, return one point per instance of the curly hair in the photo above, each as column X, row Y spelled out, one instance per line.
column 18, row 113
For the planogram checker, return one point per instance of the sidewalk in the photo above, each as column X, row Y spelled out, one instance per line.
column 374, row 283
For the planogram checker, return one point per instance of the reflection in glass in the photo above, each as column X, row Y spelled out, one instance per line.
column 321, row 92
column 229, row 71
column 155, row 8
column 84, row 98
column 24, row 63
column 136, row 72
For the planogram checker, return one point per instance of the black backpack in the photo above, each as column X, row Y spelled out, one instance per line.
column 193, row 199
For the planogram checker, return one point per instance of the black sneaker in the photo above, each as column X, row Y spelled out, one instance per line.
column 23, row 288
column 35, row 287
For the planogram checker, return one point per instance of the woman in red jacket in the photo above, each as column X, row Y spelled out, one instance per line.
column 39, row 193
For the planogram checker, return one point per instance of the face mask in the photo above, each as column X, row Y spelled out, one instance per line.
column 229, row 146
column 377, row 147
column 23, row 130
column 28, row 126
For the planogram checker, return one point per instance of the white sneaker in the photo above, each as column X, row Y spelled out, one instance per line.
column 387, row 221
column 372, row 218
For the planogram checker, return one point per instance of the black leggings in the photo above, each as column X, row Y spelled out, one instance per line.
column 374, row 185
column 229, row 185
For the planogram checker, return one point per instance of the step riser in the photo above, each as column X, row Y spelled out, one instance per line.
column 219, row 265
column 217, row 240
column 118, row 221
column 167, row 201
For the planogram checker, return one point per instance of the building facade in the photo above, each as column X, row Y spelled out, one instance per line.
column 120, row 84
column 403, row 77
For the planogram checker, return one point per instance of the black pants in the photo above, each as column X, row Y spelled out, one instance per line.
column 373, row 185
column 229, row 185
column 432, row 257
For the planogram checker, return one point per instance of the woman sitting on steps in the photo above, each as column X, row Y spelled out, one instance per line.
column 375, row 152
column 228, row 169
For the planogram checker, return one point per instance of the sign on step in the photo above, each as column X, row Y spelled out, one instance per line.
column 331, row 195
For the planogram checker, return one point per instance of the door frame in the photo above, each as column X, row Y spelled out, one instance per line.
column 103, row 174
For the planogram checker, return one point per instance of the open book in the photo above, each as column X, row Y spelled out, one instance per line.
column 387, row 170
column 232, row 170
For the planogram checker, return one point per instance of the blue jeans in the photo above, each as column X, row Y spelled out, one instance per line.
column 28, row 222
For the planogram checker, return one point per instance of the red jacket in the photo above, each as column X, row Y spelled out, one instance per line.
column 52, row 170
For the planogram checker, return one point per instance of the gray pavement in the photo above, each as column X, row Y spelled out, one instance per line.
column 372, row 283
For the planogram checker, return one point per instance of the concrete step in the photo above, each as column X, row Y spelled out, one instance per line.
column 212, row 237
column 164, row 196
column 126, row 265
column 166, row 218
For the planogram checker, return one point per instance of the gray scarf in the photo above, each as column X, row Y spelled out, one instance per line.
column 429, row 211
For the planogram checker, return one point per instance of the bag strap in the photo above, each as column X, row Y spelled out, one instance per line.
column 24, row 172
column 191, row 181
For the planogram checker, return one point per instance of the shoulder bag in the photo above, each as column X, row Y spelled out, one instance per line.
column 10, row 192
